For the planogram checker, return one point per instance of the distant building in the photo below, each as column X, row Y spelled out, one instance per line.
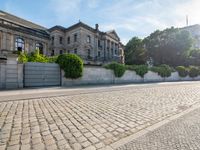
column 195, row 32
column 87, row 42
column 92, row 45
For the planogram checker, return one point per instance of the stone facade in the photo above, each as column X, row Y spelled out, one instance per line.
column 89, row 43
column 17, row 34
column 92, row 45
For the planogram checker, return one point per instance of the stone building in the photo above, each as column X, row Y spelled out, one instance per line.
column 89, row 43
column 92, row 45
column 17, row 34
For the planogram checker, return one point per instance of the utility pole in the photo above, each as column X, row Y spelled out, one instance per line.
column 187, row 22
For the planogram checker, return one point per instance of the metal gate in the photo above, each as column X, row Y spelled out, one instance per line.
column 41, row 74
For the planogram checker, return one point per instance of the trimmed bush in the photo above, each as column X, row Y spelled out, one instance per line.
column 162, row 70
column 140, row 70
column 119, row 69
column 182, row 71
column 71, row 64
column 193, row 71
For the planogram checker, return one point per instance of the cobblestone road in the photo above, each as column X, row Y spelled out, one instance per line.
column 90, row 120
column 181, row 134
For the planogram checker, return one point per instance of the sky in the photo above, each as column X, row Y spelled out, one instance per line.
column 129, row 18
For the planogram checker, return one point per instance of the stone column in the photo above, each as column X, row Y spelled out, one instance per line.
column 4, row 41
column 12, row 43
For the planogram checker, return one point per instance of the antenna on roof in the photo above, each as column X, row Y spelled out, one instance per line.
column 187, row 22
column 79, row 20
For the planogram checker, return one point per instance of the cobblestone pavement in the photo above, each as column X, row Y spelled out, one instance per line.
column 181, row 134
column 90, row 120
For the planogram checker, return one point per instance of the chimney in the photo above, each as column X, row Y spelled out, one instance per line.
column 97, row 27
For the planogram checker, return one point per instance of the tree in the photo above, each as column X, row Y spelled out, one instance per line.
column 170, row 46
column 194, row 57
column 135, row 52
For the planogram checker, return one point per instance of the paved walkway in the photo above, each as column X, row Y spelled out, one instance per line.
column 89, row 120
column 181, row 134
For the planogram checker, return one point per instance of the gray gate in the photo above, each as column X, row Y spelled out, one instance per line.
column 41, row 74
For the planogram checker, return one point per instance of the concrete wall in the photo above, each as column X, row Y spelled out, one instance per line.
column 41, row 74
column 99, row 75
column 11, row 76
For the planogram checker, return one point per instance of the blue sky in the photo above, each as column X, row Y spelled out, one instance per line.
column 128, row 17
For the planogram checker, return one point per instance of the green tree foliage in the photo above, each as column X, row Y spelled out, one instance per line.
column 22, row 57
column 170, row 46
column 194, row 57
column 135, row 52
column 71, row 64
column 37, row 57
column 119, row 69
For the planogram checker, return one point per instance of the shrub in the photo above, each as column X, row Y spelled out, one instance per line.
column 23, row 57
column 118, row 69
column 193, row 71
column 52, row 59
column 71, row 64
column 182, row 71
column 140, row 70
column 37, row 57
column 162, row 70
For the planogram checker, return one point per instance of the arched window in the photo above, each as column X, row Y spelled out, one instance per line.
column 39, row 46
column 19, row 44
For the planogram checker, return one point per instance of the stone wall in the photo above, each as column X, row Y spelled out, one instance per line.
column 11, row 76
column 99, row 75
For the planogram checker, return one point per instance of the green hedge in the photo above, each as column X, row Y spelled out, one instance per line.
column 119, row 69
column 140, row 70
column 71, row 64
column 162, row 70
column 182, row 71
column 193, row 71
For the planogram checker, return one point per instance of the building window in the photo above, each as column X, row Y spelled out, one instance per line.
column 115, row 52
column 99, row 54
column 99, row 43
column 61, row 51
column 68, row 51
column 75, row 37
column 61, row 40
column 39, row 46
column 52, row 53
column 68, row 40
column 75, row 51
column 19, row 44
column 89, row 54
column 52, row 40
column 88, row 39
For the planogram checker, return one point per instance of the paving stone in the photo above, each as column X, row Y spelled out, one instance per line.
column 105, row 116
